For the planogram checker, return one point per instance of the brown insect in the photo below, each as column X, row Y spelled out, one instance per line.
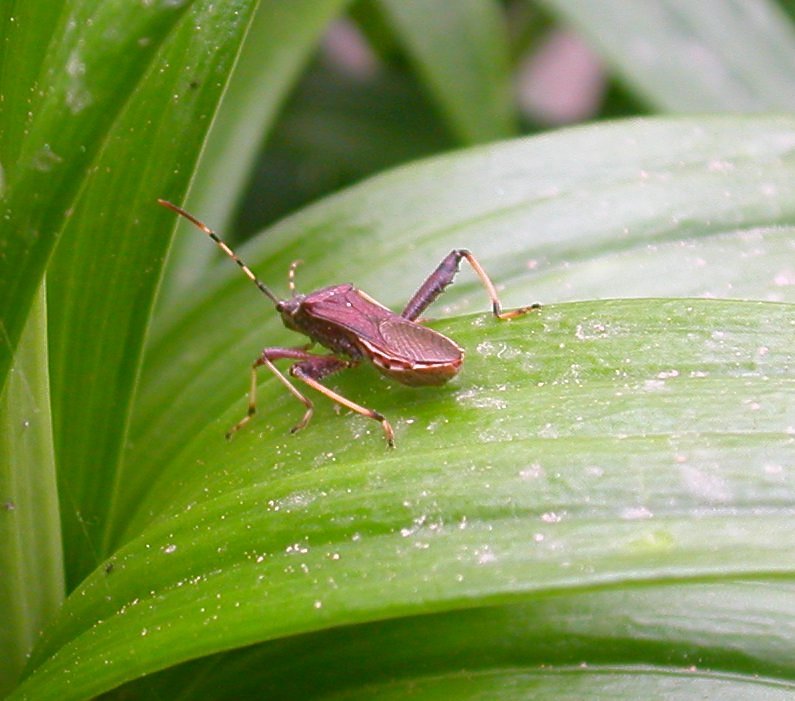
column 354, row 327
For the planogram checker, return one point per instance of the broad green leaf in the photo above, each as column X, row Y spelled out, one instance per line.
column 623, row 445
column 461, row 51
column 745, row 263
column 528, row 208
column 278, row 45
column 106, row 269
column 711, row 55
column 31, row 563
column 98, row 52
column 636, row 441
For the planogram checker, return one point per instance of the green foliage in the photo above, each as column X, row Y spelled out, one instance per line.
column 598, row 505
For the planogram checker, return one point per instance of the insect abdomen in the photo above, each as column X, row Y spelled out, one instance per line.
column 418, row 374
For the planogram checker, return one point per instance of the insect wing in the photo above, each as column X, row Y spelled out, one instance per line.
column 410, row 353
column 379, row 329
column 417, row 344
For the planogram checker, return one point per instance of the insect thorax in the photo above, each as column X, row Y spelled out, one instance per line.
column 332, row 336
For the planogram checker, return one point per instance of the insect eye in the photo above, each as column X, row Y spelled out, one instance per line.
column 280, row 307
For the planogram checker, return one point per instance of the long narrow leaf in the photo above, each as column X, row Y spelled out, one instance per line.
column 100, row 50
column 628, row 442
column 25, row 28
column 278, row 45
column 724, row 637
column 31, row 562
column 106, row 269
column 461, row 51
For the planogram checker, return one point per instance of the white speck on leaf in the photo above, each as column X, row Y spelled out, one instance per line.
column 485, row 556
column 77, row 95
column 530, row 472
column 480, row 398
column 709, row 486
column 635, row 513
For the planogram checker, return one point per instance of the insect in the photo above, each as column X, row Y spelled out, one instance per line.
column 355, row 327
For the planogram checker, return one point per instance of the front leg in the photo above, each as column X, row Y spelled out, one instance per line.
column 312, row 370
column 440, row 278
column 266, row 358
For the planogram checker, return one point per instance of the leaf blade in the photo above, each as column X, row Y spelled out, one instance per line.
column 31, row 588
column 525, row 207
column 105, row 272
column 86, row 78
column 598, row 463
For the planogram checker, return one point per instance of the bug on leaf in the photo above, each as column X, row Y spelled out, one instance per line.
column 355, row 327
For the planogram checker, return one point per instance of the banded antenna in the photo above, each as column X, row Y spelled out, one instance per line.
column 224, row 247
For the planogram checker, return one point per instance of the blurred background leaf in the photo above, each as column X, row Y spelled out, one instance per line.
column 278, row 44
column 461, row 52
column 715, row 55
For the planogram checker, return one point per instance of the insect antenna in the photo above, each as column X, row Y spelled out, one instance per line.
column 207, row 230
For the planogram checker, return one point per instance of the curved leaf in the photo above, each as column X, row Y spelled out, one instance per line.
column 87, row 73
column 529, row 208
column 628, row 441
column 725, row 635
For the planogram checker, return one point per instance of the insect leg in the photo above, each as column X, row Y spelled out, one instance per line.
column 266, row 358
column 315, row 369
column 444, row 274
